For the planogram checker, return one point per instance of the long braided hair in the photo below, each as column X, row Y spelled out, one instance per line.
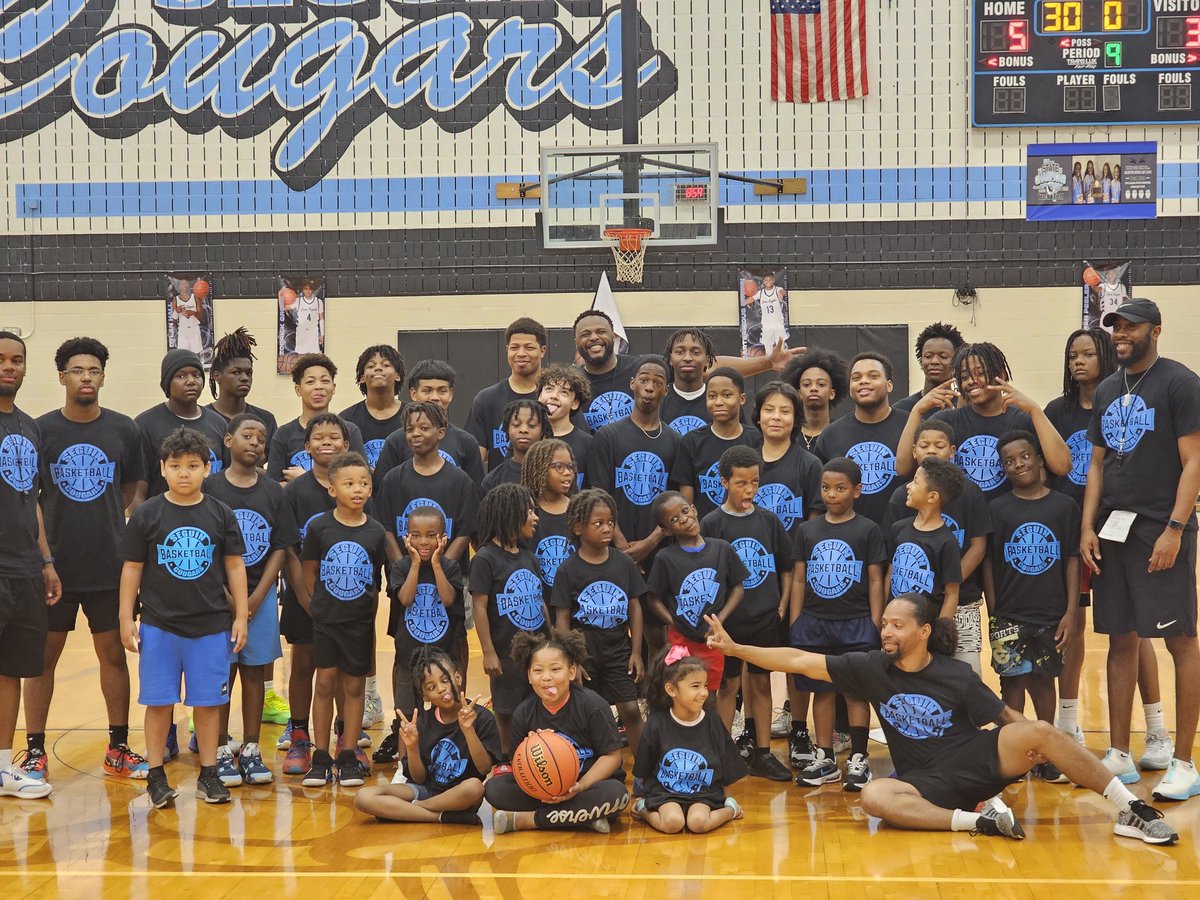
column 1106, row 356
column 991, row 359
column 238, row 344
column 537, row 465
column 428, row 657
column 502, row 514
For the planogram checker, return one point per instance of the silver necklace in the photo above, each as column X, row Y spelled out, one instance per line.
column 1128, row 398
column 653, row 437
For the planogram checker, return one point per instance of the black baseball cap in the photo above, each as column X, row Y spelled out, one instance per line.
column 1139, row 309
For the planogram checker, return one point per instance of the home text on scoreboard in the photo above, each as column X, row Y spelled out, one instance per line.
column 1084, row 62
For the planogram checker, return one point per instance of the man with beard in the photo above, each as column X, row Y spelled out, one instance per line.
column 1138, row 534
column 28, row 580
column 525, row 343
column 936, row 346
column 869, row 435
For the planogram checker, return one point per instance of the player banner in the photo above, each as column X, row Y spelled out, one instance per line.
column 301, row 318
column 1105, row 287
column 190, row 314
column 1091, row 181
column 762, row 309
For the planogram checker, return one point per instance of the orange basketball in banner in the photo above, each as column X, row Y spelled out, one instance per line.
column 749, row 288
column 288, row 298
column 545, row 765
column 1091, row 276
column 200, row 289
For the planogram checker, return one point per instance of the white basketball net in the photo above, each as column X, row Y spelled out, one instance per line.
column 629, row 253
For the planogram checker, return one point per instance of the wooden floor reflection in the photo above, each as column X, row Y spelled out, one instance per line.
column 98, row 837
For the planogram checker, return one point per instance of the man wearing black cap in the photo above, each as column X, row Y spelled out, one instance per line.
column 1139, row 531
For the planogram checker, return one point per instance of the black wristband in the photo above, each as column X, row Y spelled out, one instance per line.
column 1175, row 525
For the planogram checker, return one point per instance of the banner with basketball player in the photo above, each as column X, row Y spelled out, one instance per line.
column 301, row 318
column 190, row 314
column 1105, row 287
column 762, row 309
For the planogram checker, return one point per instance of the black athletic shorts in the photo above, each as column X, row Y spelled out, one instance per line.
column 22, row 627
column 965, row 776
column 1127, row 599
column 295, row 624
column 510, row 688
column 608, row 664
column 102, row 608
column 346, row 646
column 768, row 632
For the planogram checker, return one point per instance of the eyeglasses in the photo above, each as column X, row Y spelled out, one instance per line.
column 77, row 372
column 562, row 468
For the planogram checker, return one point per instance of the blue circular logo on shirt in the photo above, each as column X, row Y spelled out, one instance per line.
column 878, row 464
column 1081, row 457
column 304, row 527
column 1032, row 549
column 187, row 553
column 832, row 569
column 697, row 593
column 602, row 604
column 426, row 618
column 500, row 440
column 256, row 535
column 82, row 472
column 683, row 771
column 608, row 408
column 710, row 484
column 303, row 459
column 960, row 534
column 448, row 458
column 214, row 462
column 779, row 499
column 551, row 553
column 346, row 571
column 978, row 457
column 521, row 600
column 911, row 571
column 18, row 462
column 756, row 559
column 373, row 449
column 642, row 477
column 402, row 519
column 681, row 425
column 1124, row 426
column 446, row 762
column 916, row 716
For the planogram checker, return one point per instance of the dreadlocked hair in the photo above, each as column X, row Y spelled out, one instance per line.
column 388, row 352
column 539, row 412
column 1106, row 356
column 502, row 514
column 660, row 675
column 432, row 411
column 832, row 364
column 583, row 504
column 428, row 657
column 701, row 337
column 537, row 464
column 939, row 330
column 991, row 359
column 238, row 344
column 571, row 644
column 943, row 634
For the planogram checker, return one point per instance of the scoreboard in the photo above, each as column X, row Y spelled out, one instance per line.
column 1084, row 62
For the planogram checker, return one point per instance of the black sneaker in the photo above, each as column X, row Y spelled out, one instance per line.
column 745, row 745
column 801, row 751
column 350, row 772
column 210, row 789
column 320, row 771
column 1049, row 772
column 858, row 773
column 997, row 820
column 388, row 750
column 762, row 762
column 160, row 793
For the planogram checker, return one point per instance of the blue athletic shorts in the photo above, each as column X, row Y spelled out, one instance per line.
column 833, row 637
column 262, row 636
column 165, row 660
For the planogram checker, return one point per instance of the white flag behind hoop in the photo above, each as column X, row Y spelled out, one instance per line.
column 605, row 302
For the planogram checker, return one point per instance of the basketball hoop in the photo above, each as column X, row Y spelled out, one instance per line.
column 629, row 251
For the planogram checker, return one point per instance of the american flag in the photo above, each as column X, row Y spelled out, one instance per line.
column 818, row 50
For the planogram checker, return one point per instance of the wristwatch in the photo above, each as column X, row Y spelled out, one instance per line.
column 1175, row 525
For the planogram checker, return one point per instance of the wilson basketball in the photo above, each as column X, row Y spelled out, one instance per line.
column 1091, row 276
column 545, row 765
column 200, row 289
column 287, row 297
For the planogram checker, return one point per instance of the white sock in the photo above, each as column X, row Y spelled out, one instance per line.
column 371, row 689
column 961, row 820
column 6, row 760
column 1154, row 718
column 269, row 685
column 1118, row 795
column 1068, row 715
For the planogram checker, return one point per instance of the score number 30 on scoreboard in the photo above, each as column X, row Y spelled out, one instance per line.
column 1084, row 62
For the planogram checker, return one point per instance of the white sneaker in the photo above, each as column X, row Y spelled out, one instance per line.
column 1121, row 765
column 1160, row 750
column 400, row 777
column 739, row 724
column 1077, row 733
column 781, row 724
column 1181, row 782
column 373, row 710
column 15, row 783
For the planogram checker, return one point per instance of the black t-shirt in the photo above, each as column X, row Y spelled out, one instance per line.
column 259, row 514
column 1071, row 421
column 584, row 719
column 514, row 592
column 551, row 544
column 183, row 550
column 1164, row 407
column 968, row 517
column 612, row 398
column 765, row 549
column 374, row 431
column 977, row 438
column 158, row 421
column 304, row 499
column 507, row 472
column 790, row 487
column 925, row 715
column 836, row 557
column 457, row 447
column 873, row 447
column 906, row 404
column 264, row 415
column 698, row 462
column 694, row 583
column 634, row 467
column 443, row 747
column 686, row 763
column 580, row 443
column 1032, row 542
column 84, row 466
column 685, row 414
column 19, row 456
column 351, row 558
column 483, row 421
column 923, row 562
column 598, row 594
column 451, row 490
column 427, row 620
column 287, row 448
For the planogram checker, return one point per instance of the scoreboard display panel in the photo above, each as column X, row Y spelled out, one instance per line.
column 1084, row 62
